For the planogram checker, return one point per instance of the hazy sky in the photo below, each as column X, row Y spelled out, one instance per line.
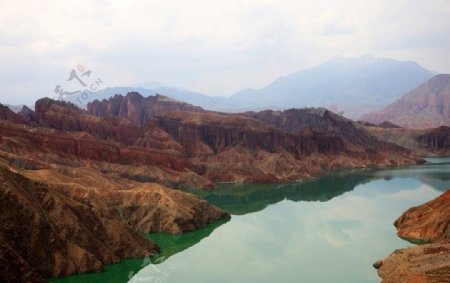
column 214, row 47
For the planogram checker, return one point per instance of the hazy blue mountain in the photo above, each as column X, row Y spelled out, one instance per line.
column 353, row 85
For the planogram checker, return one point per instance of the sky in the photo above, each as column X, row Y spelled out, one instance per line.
column 213, row 47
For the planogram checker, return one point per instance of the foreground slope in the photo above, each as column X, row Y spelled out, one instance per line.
column 56, row 225
column 430, row 262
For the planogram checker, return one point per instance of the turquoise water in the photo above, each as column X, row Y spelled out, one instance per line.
column 328, row 230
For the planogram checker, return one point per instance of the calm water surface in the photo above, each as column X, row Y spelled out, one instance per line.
column 328, row 230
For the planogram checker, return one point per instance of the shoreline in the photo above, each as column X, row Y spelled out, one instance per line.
column 427, row 225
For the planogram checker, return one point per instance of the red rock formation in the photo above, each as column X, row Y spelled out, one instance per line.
column 82, row 146
column 430, row 223
column 196, row 147
column 65, row 116
column 208, row 138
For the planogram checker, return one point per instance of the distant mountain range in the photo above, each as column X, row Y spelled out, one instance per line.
column 427, row 106
column 351, row 85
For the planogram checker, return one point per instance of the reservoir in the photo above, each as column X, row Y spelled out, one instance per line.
column 331, row 229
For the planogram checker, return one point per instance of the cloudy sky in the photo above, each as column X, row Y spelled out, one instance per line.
column 214, row 47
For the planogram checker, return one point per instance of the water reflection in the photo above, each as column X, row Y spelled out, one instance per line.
column 240, row 199
column 126, row 269
column 326, row 230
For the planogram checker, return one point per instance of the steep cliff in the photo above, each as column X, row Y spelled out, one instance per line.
column 436, row 140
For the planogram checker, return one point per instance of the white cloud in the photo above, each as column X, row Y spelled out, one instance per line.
column 216, row 47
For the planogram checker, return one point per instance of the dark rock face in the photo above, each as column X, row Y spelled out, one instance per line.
column 66, row 116
column 427, row 142
column 325, row 122
column 209, row 138
column 28, row 115
column 217, row 137
column 318, row 120
column 437, row 140
column 138, row 109
column 8, row 115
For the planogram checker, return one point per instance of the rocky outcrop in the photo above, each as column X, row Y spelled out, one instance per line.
column 66, row 116
column 359, row 141
column 216, row 132
column 8, row 115
column 430, row 262
column 28, row 115
column 429, row 222
column 52, row 229
column 427, row 106
column 319, row 120
column 138, row 109
column 429, row 142
column 436, row 140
